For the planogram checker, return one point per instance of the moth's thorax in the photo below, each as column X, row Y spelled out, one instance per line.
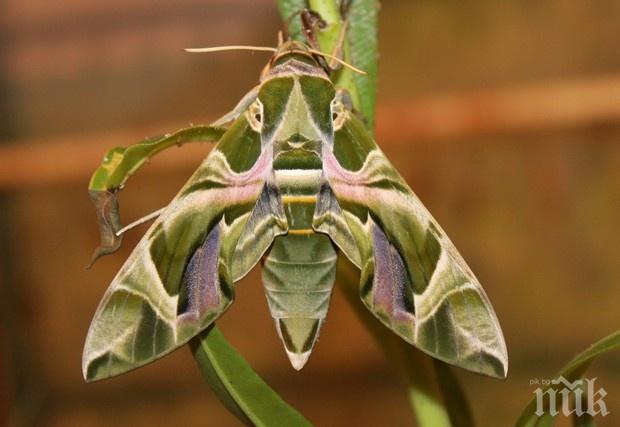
column 296, row 119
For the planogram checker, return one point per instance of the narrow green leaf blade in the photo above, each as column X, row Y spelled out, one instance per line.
column 363, row 50
column 584, row 420
column 241, row 390
column 573, row 371
column 453, row 395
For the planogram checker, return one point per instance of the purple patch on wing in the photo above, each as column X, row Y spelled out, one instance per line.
column 391, row 286
column 201, row 279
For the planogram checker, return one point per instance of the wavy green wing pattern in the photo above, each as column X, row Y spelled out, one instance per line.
column 413, row 279
column 179, row 278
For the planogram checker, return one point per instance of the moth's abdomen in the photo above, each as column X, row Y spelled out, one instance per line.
column 298, row 276
column 300, row 269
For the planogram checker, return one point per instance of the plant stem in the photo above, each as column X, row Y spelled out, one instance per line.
column 328, row 39
column 239, row 388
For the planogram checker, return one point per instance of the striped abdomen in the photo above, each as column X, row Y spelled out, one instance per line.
column 300, row 269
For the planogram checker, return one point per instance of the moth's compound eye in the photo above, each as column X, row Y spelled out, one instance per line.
column 338, row 114
column 255, row 115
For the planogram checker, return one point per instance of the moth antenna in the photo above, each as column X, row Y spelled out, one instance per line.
column 233, row 47
column 269, row 49
column 338, row 60
column 280, row 38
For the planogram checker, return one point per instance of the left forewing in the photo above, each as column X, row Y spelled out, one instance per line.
column 179, row 277
column 413, row 278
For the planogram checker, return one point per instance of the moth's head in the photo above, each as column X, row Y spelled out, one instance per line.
column 292, row 57
column 290, row 47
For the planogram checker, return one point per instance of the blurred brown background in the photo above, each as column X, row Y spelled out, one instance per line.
column 503, row 116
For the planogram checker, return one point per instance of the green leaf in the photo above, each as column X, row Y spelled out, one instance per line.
column 435, row 395
column 573, row 371
column 239, row 388
column 120, row 163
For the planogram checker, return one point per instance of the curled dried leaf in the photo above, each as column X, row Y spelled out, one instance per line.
column 108, row 215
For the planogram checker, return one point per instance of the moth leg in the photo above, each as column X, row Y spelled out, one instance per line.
column 118, row 165
column 313, row 24
column 113, row 242
column 311, row 21
column 140, row 221
column 338, row 51
column 241, row 106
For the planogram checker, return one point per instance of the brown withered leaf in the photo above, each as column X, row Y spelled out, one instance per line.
column 108, row 215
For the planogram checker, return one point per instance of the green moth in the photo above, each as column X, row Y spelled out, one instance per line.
column 294, row 180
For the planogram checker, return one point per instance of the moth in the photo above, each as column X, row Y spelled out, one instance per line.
column 295, row 180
